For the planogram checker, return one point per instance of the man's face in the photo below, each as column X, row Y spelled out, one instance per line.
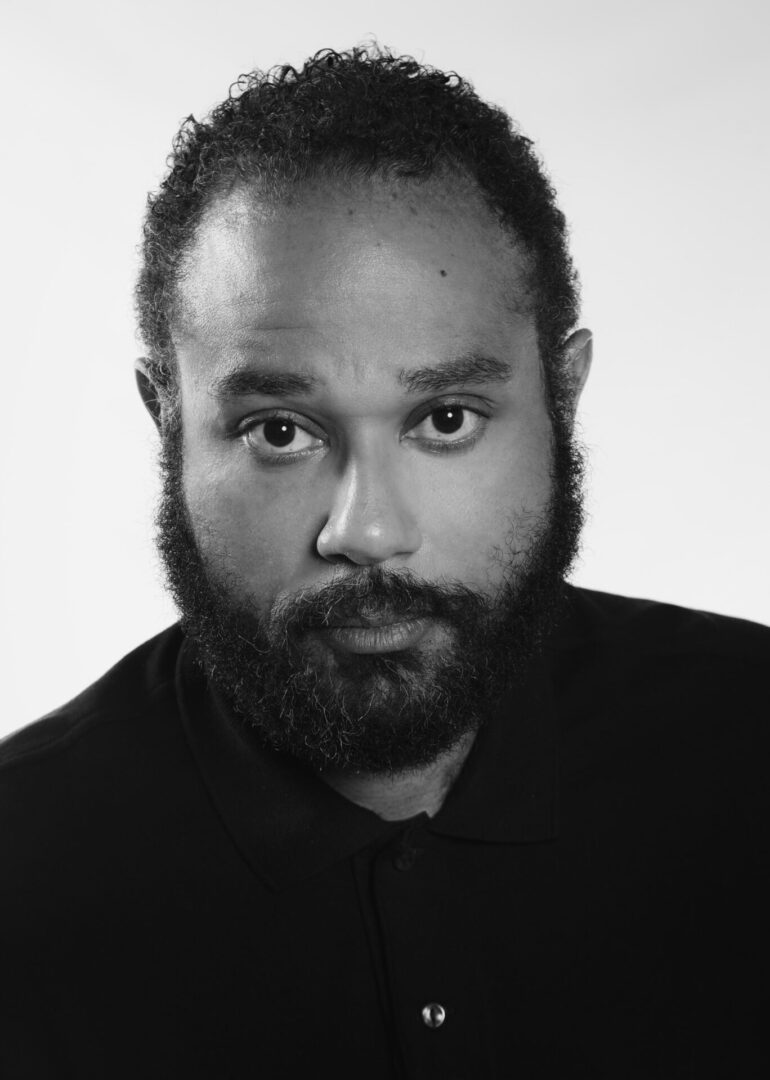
column 363, row 478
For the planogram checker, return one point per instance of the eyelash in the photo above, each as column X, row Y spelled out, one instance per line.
column 435, row 446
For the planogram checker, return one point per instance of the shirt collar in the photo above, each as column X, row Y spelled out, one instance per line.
column 289, row 825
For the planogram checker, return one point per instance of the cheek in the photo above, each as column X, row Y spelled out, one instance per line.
column 470, row 508
column 258, row 527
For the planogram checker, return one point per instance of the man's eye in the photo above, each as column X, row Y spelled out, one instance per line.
column 280, row 435
column 448, row 424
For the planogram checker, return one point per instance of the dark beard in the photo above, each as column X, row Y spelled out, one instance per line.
column 374, row 713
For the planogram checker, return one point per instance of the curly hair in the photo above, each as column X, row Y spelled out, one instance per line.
column 360, row 113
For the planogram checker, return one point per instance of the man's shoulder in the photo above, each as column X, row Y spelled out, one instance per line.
column 641, row 680
column 623, row 623
column 88, row 782
column 133, row 687
column 95, row 795
column 640, row 666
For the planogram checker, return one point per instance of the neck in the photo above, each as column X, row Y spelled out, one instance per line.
column 403, row 795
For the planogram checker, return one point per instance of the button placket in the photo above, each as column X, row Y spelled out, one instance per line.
column 438, row 1035
column 406, row 852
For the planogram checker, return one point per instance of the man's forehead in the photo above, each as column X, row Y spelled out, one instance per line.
column 341, row 270
column 247, row 222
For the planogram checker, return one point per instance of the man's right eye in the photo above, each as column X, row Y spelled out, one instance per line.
column 280, row 437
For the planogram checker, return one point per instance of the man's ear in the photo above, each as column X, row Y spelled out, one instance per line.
column 578, row 352
column 149, row 392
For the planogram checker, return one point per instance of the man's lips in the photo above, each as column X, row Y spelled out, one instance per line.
column 377, row 634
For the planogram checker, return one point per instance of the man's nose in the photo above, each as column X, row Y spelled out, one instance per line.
column 371, row 519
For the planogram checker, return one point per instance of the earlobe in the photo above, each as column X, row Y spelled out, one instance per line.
column 149, row 392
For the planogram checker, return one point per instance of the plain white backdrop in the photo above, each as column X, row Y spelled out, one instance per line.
column 652, row 116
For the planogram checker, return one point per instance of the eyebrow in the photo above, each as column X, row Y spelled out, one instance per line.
column 469, row 368
column 247, row 381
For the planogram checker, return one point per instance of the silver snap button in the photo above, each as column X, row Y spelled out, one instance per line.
column 433, row 1015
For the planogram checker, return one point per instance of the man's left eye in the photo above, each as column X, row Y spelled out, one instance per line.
column 448, row 424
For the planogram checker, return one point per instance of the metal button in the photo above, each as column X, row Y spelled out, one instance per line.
column 433, row 1015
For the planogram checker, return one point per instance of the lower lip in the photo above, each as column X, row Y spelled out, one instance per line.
column 392, row 637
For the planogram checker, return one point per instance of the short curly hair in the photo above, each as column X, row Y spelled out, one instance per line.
column 360, row 113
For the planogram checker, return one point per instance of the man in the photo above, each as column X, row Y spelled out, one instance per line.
column 392, row 800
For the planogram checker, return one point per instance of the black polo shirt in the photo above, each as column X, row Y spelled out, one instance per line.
column 590, row 901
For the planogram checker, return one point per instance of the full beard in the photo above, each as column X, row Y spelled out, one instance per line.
column 381, row 713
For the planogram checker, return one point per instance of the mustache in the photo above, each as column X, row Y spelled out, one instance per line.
column 375, row 594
